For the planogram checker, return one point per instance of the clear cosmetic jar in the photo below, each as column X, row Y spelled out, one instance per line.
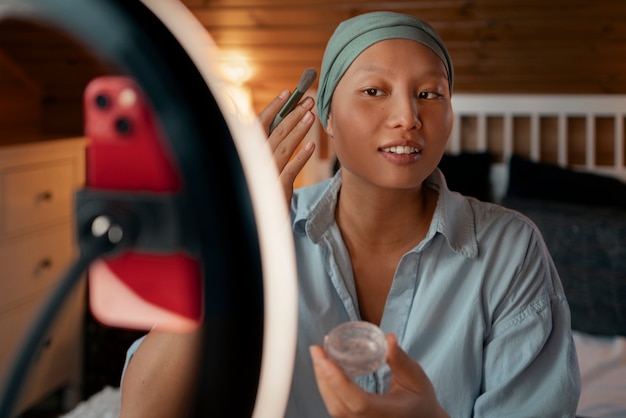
column 358, row 347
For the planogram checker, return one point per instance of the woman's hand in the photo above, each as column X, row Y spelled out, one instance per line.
column 411, row 393
column 286, row 138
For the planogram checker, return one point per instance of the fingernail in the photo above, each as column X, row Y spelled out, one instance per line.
column 307, row 103
column 309, row 146
column 283, row 94
column 307, row 117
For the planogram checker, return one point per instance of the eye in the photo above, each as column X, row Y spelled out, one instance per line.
column 428, row 95
column 372, row 92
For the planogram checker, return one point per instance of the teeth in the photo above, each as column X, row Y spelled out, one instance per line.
column 401, row 150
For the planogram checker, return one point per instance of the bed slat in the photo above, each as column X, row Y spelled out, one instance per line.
column 562, row 138
column 590, row 143
column 535, row 108
column 619, row 145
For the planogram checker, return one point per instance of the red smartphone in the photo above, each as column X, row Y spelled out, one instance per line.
column 127, row 152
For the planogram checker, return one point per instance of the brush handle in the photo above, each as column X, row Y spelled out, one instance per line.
column 289, row 105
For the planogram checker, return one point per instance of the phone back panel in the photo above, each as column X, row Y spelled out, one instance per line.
column 127, row 152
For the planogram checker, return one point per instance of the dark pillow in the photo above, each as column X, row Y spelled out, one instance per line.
column 588, row 246
column 549, row 181
column 468, row 173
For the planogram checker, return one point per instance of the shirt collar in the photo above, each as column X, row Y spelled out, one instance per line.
column 453, row 217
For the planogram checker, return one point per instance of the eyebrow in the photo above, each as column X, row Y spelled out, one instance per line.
column 375, row 68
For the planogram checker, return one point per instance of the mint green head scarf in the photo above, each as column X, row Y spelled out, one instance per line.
column 355, row 35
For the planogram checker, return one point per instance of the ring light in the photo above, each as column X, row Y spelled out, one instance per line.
column 231, row 192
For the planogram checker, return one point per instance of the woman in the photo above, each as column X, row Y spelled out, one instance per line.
column 476, row 319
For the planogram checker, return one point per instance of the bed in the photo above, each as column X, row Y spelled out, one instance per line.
column 560, row 159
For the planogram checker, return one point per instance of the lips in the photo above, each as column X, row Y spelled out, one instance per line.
column 401, row 149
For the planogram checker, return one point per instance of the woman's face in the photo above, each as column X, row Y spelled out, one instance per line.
column 390, row 115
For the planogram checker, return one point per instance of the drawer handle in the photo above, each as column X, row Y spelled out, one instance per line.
column 43, row 265
column 44, row 196
column 43, row 347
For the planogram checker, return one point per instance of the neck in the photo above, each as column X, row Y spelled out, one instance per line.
column 384, row 217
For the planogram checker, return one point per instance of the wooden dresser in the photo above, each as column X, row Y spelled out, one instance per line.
column 37, row 244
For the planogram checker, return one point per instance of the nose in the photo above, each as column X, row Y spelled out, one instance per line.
column 404, row 112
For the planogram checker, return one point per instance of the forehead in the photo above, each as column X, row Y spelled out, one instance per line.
column 396, row 55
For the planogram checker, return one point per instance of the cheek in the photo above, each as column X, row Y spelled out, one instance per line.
column 449, row 118
column 440, row 124
column 344, row 132
column 356, row 116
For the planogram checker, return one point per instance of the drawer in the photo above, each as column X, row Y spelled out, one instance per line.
column 13, row 326
column 57, row 361
column 31, row 263
column 37, row 194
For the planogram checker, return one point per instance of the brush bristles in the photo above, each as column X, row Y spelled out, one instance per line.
column 307, row 79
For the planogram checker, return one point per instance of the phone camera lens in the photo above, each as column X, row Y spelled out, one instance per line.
column 123, row 126
column 102, row 101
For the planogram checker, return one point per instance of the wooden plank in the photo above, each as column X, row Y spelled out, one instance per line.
column 377, row 5
column 253, row 38
column 194, row 3
column 268, row 54
column 519, row 9
column 11, row 69
column 20, row 96
column 492, row 16
column 62, row 117
column 19, row 112
column 516, row 50
column 558, row 35
column 309, row 15
column 484, row 54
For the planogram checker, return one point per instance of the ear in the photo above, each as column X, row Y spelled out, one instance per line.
column 329, row 126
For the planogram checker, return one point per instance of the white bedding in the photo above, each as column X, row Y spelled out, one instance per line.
column 104, row 404
column 602, row 363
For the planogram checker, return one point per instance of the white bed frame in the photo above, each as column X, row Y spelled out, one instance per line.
column 480, row 109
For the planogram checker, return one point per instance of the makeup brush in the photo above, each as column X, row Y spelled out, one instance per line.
column 306, row 80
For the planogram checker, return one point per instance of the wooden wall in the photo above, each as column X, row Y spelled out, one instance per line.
column 43, row 73
column 535, row 46
column 20, row 98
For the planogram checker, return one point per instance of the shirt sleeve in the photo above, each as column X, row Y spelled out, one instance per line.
column 529, row 359
column 129, row 355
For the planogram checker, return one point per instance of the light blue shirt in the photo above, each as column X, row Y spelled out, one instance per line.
column 478, row 303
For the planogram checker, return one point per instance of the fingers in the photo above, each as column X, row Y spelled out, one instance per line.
column 410, row 382
column 295, row 165
column 290, row 132
column 289, row 173
column 285, row 139
column 267, row 115
column 335, row 387
column 406, row 371
column 411, row 392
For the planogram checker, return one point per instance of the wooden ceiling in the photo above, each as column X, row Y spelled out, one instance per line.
column 555, row 46
column 534, row 46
